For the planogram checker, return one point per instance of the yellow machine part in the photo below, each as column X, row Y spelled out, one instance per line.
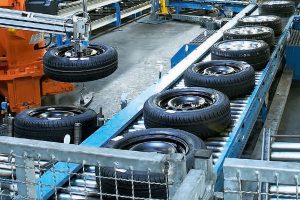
column 163, row 8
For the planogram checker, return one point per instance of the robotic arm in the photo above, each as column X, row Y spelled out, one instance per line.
column 80, row 61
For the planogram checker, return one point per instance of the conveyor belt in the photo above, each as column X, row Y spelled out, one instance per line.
column 216, row 144
column 230, row 143
column 80, row 188
column 220, row 144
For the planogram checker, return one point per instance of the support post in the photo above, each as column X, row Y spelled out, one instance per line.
column 10, row 126
column 176, row 172
column 25, row 175
column 77, row 133
column 118, row 14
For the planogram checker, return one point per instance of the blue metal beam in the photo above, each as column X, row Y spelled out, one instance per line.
column 242, row 130
column 190, row 5
column 118, row 14
column 224, row 2
column 52, row 179
column 235, row 6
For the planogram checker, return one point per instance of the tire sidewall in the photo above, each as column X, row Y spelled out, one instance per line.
column 151, row 106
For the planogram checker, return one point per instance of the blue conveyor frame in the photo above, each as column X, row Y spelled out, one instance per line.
column 125, row 117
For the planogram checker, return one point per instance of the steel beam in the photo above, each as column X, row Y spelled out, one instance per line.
column 34, row 22
column 192, row 187
column 241, row 133
column 249, row 169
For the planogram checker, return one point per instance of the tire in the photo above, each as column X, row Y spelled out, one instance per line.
column 271, row 21
column 254, row 52
column 251, row 32
column 208, row 74
column 31, row 124
column 60, row 67
column 136, row 141
column 207, row 119
column 279, row 8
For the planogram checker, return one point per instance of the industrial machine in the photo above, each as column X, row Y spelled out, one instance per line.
column 22, row 65
column 64, row 171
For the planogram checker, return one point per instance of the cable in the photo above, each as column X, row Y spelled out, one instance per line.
column 36, row 46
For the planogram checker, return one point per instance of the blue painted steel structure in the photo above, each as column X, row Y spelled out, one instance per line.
column 183, row 52
column 293, row 51
column 126, row 116
column 118, row 14
column 241, row 132
column 233, row 6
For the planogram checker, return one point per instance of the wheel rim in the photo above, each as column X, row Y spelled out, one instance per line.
column 155, row 146
column 157, row 143
column 187, row 102
column 249, row 30
column 239, row 45
column 259, row 19
column 219, row 70
column 55, row 113
column 89, row 52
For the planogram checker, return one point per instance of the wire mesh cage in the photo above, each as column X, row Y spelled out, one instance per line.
column 44, row 170
column 258, row 179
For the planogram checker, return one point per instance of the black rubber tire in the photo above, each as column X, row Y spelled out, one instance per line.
column 257, row 57
column 91, row 68
column 141, row 190
column 242, row 81
column 204, row 123
column 271, row 21
column 31, row 127
column 278, row 8
column 252, row 33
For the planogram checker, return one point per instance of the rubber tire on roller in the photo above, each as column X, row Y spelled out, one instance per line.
column 204, row 123
column 257, row 58
column 66, row 69
column 31, row 127
column 243, row 32
column 242, row 81
column 278, row 8
column 141, row 190
column 271, row 21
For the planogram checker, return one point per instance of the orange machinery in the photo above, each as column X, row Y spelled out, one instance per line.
column 22, row 79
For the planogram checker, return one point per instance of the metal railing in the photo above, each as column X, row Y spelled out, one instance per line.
column 243, row 179
column 101, row 172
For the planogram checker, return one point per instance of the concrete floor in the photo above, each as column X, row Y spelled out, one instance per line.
column 290, row 123
column 142, row 49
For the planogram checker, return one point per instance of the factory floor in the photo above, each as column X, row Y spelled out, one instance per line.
column 290, row 120
column 143, row 49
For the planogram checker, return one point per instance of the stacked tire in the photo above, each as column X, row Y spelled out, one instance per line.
column 165, row 141
column 254, row 52
column 283, row 9
column 54, row 123
column 271, row 21
column 204, row 112
column 98, row 62
column 222, row 75
column 251, row 33
column 278, row 8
